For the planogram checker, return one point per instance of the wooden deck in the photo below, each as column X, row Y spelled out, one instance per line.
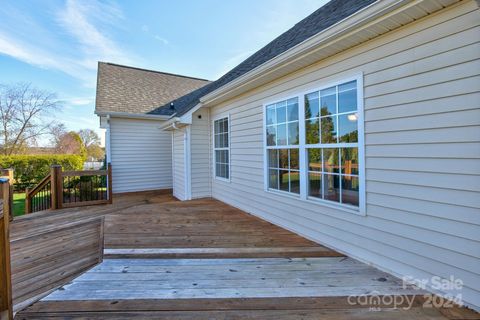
column 203, row 259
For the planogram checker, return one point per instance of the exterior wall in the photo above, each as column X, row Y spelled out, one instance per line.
column 201, row 154
column 422, row 137
column 140, row 155
column 178, row 167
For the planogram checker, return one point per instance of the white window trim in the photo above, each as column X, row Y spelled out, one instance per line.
column 219, row 117
column 361, row 209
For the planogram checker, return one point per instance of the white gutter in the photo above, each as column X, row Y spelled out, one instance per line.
column 170, row 124
column 127, row 115
column 358, row 21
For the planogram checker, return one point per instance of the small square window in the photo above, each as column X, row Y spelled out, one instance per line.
column 350, row 187
column 331, row 187
column 284, row 180
column 271, row 135
column 282, row 134
column 271, row 115
column 292, row 110
column 315, row 159
column 283, row 158
column 315, row 184
column 347, row 127
column 349, row 159
column 294, row 182
column 347, row 97
column 311, row 105
column 293, row 137
column 273, row 179
column 330, row 160
column 312, row 131
column 328, row 101
column 329, row 129
column 281, row 113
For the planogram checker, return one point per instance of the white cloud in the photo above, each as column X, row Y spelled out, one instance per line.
column 162, row 40
column 80, row 101
column 79, row 19
column 86, row 23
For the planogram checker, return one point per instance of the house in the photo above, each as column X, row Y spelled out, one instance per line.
column 358, row 128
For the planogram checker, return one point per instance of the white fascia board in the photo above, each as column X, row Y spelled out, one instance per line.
column 132, row 115
column 360, row 20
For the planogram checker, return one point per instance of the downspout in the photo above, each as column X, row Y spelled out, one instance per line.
column 188, row 164
column 107, row 142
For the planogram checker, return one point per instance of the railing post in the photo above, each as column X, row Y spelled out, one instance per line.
column 8, row 173
column 6, row 308
column 109, row 183
column 28, row 201
column 56, row 184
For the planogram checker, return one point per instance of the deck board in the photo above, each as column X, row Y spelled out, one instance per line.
column 203, row 259
column 260, row 278
column 204, row 228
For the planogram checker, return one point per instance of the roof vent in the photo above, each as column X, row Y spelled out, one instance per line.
column 172, row 106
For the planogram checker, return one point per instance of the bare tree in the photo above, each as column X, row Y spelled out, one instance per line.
column 70, row 143
column 22, row 111
column 57, row 131
column 89, row 137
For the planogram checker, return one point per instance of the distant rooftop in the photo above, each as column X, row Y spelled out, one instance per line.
column 139, row 91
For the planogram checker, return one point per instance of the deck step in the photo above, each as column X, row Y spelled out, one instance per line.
column 214, row 253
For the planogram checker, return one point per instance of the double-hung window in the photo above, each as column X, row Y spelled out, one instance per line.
column 221, row 148
column 282, row 125
column 321, row 159
column 331, row 131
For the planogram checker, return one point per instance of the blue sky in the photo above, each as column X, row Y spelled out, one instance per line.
column 55, row 44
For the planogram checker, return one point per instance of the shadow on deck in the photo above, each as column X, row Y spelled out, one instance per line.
column 203, row 259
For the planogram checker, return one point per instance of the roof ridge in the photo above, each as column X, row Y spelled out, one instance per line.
column 155, row 71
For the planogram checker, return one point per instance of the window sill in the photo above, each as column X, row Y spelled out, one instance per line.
column 312, row 200
column 337, row 206
column 223, row 179
column 284, row 193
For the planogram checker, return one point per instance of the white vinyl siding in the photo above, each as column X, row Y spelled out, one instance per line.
column 178, row 167
column 422, row 151
column 200, row 149
column 141, row 155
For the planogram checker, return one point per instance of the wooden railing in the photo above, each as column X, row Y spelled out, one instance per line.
column 67, row 189
column 39, row 198
column 6, row 192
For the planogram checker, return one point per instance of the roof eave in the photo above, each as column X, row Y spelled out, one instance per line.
column 127, row 115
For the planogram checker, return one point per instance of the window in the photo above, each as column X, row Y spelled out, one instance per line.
column 221, row 148
column 319, row 154
column 331, row 131
column 282, row 130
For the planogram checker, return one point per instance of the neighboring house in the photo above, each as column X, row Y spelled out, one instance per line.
column 127, row 99
column 357, row 128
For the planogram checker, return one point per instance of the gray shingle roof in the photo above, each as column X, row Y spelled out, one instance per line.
column 329, row 14
column 133, row 90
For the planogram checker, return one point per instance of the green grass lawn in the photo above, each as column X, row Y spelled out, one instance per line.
column 18, row 204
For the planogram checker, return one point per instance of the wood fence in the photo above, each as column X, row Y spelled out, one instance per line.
column 67, row 189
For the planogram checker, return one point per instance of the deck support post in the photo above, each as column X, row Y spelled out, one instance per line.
column 109, row 183
column 8, row 173
column 56, row 185
column 6, row 308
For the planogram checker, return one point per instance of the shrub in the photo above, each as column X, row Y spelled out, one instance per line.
column 30, row 169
